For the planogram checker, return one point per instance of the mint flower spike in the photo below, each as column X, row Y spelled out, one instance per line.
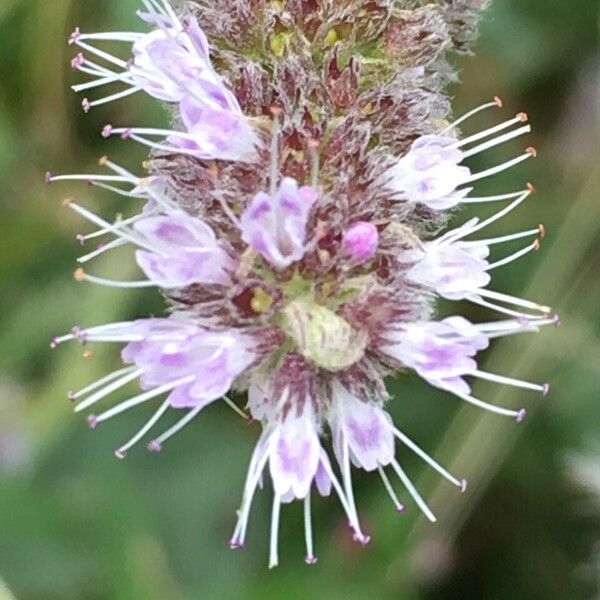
column 300, row 273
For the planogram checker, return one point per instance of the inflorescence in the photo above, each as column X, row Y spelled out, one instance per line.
column 292, row 219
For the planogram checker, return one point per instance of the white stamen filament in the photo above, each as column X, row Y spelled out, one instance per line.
column 109, row 389
column 502, row 239
column 101, row 54
column 510, row 381
column 273, row 551
column 235, row 407
column 499, row 168
column 501, row 213
column 489, row 132
column 502, row 309
column 495, row 104
column 116, row 96
column 100, row 382
column 90, row 178
column 428, row 459
column 352, row 518
column 141, row 398
column 190, row 416
column 498, row 198
column 515, row 256
column 513, row 300
column 531, row 327
column 116, row 284
column 113, row 36
column 497, row 141
column 144, row 430
column 413, row 491
column 486, row 406
column 390, row 490
column 119, row 232
column 308, row 532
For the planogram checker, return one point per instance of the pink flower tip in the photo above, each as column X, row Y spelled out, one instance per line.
column 126, row 134
column 235, row 544
column 557, row 321
column 71, row 396
column 400, row 508
column 154, row 446
column 463, row 485
column 120, row 454
column 546, row 389
column 80, row 238
column 521, row 415
column 74, row 36
column 77, row 61
column 92, row 421
column 54, row 342
column 86, row 105
column 311, row 560
column 48, row 176
column 360, row 241
column 362, row 539
column 107, row 131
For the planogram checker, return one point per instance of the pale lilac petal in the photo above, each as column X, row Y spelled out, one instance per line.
column 276, row 226
column 294, row 456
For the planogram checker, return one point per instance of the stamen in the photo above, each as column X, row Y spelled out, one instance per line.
column 497, row 141
column 310, row 557
column 99, row 383
column 141, row 398
column 489, row 407
column 122, row 451
column 505, row 261
column 513, row 300
column 502, row 309
column 81, row 275
column 353, row 519
column 497, row 103
column 543, row 388
column 113, row 36
column 236, row 408
column 502, row 167
column 390, row 490
column 505, row 238
column 413, row 491
column 190, row 416
column 123, row 94
column 475, row 200
column 422, row 454
column 127, row 377
column 501, row 213
column 273, row 552
column 347, row 479
column 520, row 118
column 100, row 53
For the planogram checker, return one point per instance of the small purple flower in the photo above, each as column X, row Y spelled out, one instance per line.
column 208, row 362
column 360, row 241
column 430, row 173
column 171, row 63
column 275, row 225
column 440, row 352
column 184, row 251
column 363, row 429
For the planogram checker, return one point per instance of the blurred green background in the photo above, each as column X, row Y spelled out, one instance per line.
column 75, row 523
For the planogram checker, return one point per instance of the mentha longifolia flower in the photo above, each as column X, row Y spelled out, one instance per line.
column 283, row 221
